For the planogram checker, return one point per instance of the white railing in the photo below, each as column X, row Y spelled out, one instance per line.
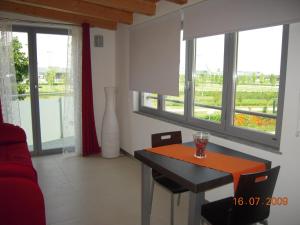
column 51, row 116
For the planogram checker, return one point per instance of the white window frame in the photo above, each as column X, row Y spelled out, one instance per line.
column 226, row 128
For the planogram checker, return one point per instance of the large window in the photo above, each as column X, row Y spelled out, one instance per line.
column 230, row 84
column 208, row 78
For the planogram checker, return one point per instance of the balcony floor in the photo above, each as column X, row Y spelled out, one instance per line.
column 56, row 144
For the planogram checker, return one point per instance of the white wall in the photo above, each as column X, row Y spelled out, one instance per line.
column 136, row 130
column 103, row 72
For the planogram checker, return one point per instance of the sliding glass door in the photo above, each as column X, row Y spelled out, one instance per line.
column 41, row 91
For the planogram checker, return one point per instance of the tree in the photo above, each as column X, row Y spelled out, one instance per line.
column 50, row 76
column 64, row 77
column 242, row 79
column 21, row 66
column 261, row 78
column 253, row 78
column 273, row 80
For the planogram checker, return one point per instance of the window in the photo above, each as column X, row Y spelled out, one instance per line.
column 208, row 78
column 150, row 100
column 257, row 79
column 231, row 85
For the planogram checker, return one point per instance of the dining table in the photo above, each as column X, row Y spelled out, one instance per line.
column 197, row 179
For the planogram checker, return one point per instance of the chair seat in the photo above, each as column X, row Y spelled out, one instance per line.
column 218, row 212
column 170, row 184
column 225, row 212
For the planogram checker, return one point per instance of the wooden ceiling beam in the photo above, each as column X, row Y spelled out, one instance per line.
column 81, row 8
column 137, row 6
column 180, row 2
column 56, row 15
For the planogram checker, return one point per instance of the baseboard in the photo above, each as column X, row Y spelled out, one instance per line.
column 125, row 153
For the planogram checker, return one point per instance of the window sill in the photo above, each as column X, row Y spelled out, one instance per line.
column 214, row 133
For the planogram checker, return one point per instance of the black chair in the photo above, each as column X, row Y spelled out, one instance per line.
column 253, row 190
column 162, row 139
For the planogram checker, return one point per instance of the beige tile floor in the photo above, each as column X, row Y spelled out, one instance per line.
column 97, row 191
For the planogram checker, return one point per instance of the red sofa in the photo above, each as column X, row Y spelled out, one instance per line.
column 21, row 199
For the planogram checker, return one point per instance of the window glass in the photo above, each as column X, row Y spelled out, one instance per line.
column 150, row 100
column 257, row 79
column 208, row 78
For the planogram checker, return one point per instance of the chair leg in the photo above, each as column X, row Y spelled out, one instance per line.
column 172, row 210
column 178, row 199
column 151, row 195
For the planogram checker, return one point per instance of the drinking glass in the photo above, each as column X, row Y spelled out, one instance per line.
column 201, row 140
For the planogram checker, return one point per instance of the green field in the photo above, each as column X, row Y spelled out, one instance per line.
column 253, row 93
column 45, row 90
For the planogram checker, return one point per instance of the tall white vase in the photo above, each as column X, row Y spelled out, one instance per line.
column 110, row 129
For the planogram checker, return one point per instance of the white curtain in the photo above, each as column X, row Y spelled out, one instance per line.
column 8, row 84
column 72, row 100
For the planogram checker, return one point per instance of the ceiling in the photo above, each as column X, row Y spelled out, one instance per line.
column 105, row 14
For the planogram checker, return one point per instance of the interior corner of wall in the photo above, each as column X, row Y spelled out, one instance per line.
column 134, row 96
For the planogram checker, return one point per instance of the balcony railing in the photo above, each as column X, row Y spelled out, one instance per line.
column 51, row 105
column 247, row 112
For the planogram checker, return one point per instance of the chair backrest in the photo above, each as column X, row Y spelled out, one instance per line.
column 166, row 138
column 255, row 192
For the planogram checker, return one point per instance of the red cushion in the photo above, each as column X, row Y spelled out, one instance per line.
column 17, row 170
column 11, row 134
column 22, row 202
column 15, row 153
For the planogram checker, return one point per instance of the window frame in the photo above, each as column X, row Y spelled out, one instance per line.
column 206, row 123
column 146, row 108
column 226, row 128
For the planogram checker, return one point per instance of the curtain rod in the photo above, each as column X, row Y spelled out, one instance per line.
column 37, row 22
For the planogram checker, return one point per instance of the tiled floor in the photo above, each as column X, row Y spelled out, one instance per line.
column 97, row 191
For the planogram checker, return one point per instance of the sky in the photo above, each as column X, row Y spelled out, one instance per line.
column 258, row 51
column 51, row 49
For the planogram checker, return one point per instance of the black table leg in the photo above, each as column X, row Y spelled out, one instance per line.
column 196, row 200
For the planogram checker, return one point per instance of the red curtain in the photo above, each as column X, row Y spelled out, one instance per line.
column 1, row 117
column 89, row 137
